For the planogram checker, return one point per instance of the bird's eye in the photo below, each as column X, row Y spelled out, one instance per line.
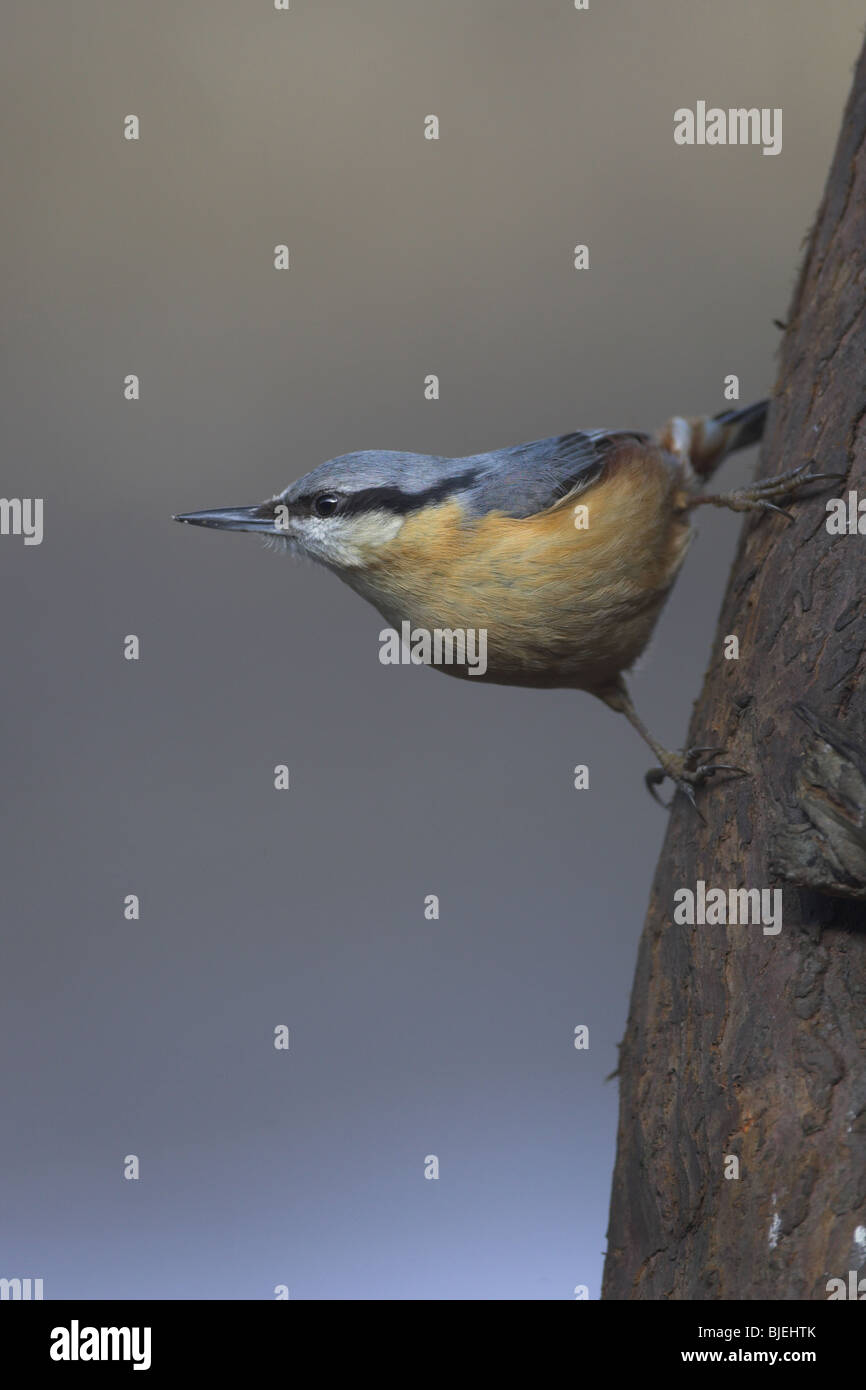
column 326, row 504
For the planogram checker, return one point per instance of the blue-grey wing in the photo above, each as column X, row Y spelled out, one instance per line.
column 528, row 478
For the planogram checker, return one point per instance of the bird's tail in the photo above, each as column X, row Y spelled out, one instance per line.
column 712, row 439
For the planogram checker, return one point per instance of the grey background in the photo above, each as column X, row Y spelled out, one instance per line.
column 306, row 908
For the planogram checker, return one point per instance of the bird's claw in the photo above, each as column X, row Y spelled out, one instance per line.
column 757, row 497
column 687, row 772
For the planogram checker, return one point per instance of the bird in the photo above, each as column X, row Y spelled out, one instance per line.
column 562, row 551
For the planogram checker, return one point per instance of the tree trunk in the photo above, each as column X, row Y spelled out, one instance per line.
column 739, row 1042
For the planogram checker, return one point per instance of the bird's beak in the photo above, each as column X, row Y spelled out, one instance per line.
column 261, row 518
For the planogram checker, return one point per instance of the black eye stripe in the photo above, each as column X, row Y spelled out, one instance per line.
column 385, row 499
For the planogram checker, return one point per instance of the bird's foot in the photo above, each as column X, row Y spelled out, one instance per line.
column 759, row 496
column 688, row 771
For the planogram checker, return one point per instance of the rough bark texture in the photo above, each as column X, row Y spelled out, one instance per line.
column 741, row 1043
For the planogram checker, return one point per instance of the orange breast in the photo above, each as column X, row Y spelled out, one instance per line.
column 562, row 604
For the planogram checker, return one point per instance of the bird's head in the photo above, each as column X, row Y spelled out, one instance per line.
column 346, row 511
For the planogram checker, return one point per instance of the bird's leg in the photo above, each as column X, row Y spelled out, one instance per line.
column 686, row 770
column 759, row 496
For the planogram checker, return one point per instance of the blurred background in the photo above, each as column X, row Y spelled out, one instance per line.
column 409, row 1037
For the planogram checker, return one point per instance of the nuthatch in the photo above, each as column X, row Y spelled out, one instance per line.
column 564, row 550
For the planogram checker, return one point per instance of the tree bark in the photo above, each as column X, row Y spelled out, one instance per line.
column 741, row 1043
